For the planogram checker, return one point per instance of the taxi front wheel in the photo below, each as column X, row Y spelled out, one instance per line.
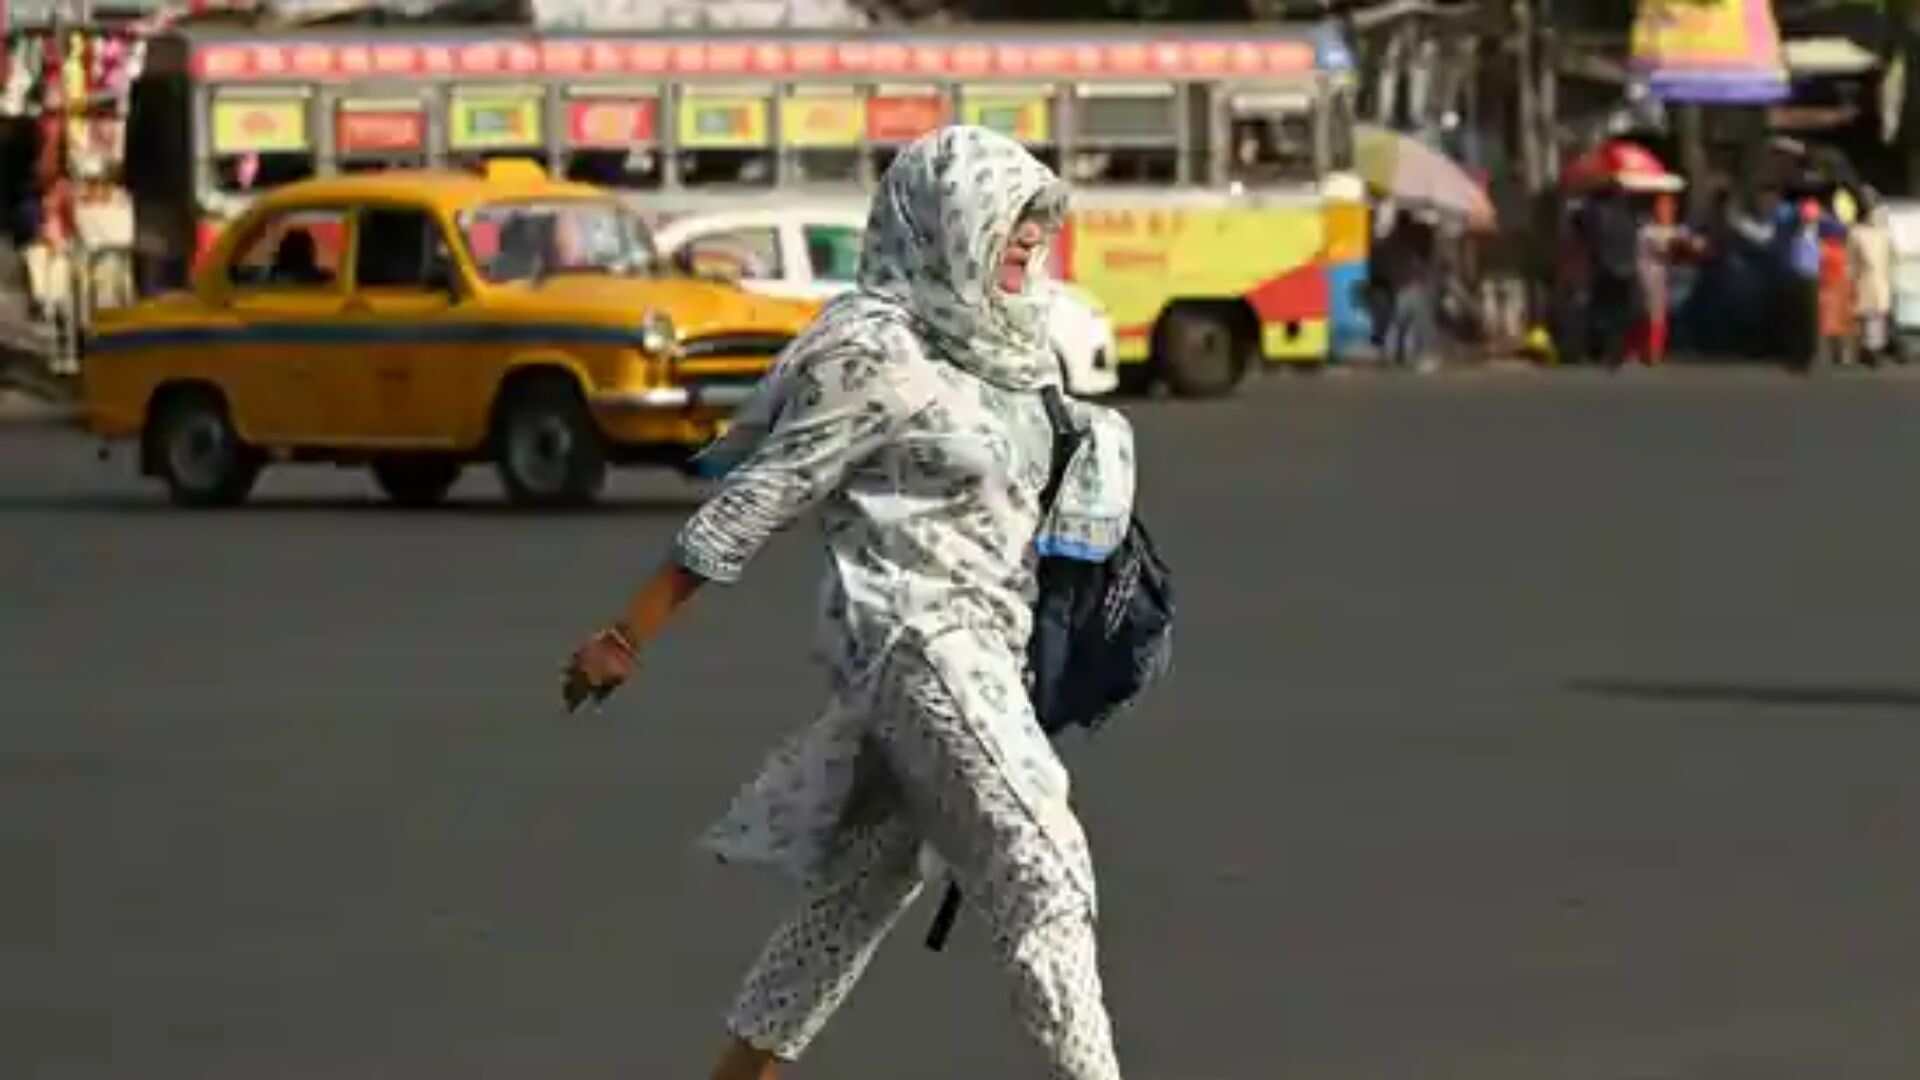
column 546, row 446
column 199, row 454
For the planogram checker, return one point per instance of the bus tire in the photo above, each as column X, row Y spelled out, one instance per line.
column 196, row 450
column 546, row 446
column 1202, row 349
column 1137, row 379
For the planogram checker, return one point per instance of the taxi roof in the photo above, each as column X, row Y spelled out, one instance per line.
column 447, row 190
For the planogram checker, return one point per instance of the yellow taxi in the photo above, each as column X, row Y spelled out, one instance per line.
column 418, row 322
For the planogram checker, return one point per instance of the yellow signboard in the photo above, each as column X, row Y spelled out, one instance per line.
column 257, row 125
column 486, row 122
column 822, row 121
column 723, row 123
column 1025, row 117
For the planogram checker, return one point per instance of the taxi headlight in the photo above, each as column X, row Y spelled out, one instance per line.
column 657, row 335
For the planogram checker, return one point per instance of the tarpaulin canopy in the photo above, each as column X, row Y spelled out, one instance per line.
column 1714, row 51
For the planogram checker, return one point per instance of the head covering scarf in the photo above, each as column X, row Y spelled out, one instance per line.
column 934, row 238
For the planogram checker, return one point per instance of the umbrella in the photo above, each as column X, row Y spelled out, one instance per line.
column 1632, row 166
column 1411, row 171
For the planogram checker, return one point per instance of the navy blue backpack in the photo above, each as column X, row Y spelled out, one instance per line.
column 1102, row 631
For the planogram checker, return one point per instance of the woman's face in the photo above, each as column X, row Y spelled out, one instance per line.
column 1027, row 237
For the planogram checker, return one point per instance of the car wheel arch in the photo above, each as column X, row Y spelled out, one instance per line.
column 525, row 371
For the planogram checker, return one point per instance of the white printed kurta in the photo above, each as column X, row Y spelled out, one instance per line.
column 909, row 414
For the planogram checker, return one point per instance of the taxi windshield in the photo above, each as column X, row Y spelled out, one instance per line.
column 531, row 240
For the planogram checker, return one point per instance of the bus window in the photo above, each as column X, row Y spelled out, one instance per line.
column 241, row 173
column 613, row 137
column 1125, row 134
column 260, row 140
column 637, row 168
column 724, row 137
column 1271, row 138
column 820, row 127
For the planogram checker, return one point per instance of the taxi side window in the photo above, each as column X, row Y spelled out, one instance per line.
column 401, row 248
column 752, row 253
column 293, row 250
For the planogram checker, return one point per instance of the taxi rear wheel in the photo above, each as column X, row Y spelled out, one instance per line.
column 547, row 448
column 416, row 481
column 198, row 452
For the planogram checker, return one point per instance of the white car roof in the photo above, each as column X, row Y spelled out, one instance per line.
column 677, row 229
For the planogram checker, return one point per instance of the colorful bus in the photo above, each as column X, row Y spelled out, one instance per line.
column 1213, row 215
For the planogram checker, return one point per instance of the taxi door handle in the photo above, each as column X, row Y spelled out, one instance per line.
column 356, row 306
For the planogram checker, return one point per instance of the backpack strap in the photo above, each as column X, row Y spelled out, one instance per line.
column 1066, row 439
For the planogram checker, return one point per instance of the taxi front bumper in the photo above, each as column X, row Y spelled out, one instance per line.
column 673, row 398
column 666, row 421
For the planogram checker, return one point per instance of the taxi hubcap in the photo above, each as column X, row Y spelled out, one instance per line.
column 199, row 451
column 541, row 451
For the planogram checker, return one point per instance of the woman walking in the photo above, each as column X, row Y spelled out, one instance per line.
column 1872, row 248
column 911, row 413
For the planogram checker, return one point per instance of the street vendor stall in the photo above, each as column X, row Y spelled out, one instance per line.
column 70, row 217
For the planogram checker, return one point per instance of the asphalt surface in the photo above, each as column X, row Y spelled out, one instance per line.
column 1524, row 726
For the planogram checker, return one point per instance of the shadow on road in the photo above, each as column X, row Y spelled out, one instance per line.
column 269, row 506
column 1752, row 693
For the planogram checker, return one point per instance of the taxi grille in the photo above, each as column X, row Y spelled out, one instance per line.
column 734, row 345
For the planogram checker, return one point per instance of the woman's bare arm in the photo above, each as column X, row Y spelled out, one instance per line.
column 655, row 601
column 607, row 658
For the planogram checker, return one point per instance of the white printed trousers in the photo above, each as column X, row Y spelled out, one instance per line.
column 989, row 796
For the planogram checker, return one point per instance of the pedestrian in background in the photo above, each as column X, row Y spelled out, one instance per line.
column 1411, row 275
column 1611, row 237
column 1661, row 241
column 1799, row 273
column 914, row 413
column 1837, row 305
column 1871, row 241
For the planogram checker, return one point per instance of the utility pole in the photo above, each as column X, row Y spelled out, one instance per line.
column 1528, row 122
column 1549, row 65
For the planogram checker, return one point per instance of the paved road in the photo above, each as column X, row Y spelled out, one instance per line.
column 1525, row 727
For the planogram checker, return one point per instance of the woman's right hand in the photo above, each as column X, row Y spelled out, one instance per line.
column 608, row 658
column 598, row 667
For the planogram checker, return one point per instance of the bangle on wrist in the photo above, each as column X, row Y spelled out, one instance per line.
column 617, row 632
